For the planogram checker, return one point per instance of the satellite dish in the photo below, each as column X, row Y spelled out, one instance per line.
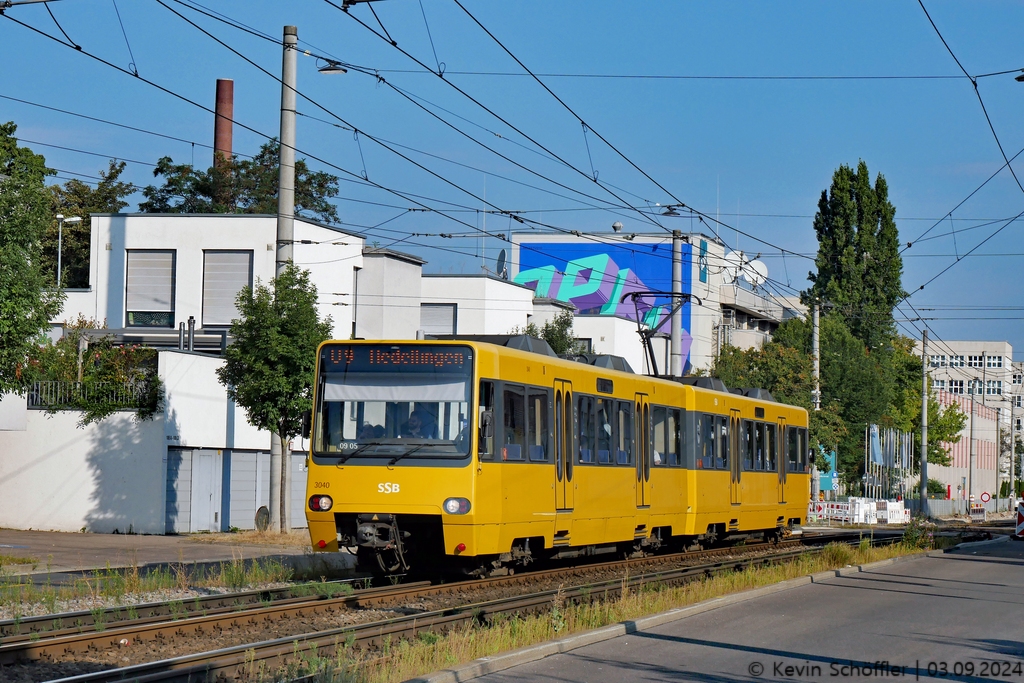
column 733, row 265
column 755, row 272
column 502, row 265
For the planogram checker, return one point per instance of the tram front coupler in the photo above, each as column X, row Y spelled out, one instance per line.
column 381, row 535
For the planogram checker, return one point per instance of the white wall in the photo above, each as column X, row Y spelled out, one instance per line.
column 388, row 305
column 199, row 414
column 614, row 336
column 13, row 413
column 330, row 258
column 486, row 305
column 57, row 477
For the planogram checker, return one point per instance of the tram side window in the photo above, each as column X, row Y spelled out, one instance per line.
column 624, row 434
column 760, row 461
column 605, row 436
column 585, row 424
column 770, row 448
column 666, row 436
column 539, row 404
column 673, row 442
column 514, row 421
column 485, row 422
column 747, row 444
column 793, row 449
column 659, row 415
column 709, row 440
column 805, row 451
column 722, row 431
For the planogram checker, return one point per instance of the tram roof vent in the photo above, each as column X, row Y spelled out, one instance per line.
column 759, row 394
column 604, row 360
column 712, row 383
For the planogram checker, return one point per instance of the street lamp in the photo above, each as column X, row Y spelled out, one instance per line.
column 60, row 238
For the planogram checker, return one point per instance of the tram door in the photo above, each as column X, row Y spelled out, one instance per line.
column 780, row 457
column 732, row 438
column 642, row 432
column 563, row 446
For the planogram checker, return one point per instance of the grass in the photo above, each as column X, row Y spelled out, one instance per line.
column 292, row 539
column 404, row 659
column 110, row 586
column 14, row 559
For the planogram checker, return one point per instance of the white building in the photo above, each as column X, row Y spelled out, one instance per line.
column 984, row 371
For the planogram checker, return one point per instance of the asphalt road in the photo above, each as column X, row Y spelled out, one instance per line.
column 955, row 616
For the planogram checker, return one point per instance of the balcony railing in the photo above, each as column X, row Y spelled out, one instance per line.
column 58, row 395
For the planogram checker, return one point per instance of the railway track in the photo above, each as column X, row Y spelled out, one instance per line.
column 464, row 604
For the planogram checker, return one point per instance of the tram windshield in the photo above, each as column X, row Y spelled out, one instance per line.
column 393, row 401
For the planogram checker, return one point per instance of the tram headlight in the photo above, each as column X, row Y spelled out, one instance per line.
column 456, row 506
column 320, row 503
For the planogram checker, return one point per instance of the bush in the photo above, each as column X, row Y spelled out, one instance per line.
column 918, row 533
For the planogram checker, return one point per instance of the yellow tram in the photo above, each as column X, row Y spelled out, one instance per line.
column 475, row 456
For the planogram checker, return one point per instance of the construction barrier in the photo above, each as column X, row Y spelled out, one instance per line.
column 1019, row 533
column 859, row 511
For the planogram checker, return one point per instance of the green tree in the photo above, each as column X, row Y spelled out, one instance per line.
column 76, row 198
column 26, row 303
column 859, row 268
column 557, row 332
column 239, row 186
column 268, row 370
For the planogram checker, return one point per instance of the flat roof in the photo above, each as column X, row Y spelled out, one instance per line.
column 301, row 219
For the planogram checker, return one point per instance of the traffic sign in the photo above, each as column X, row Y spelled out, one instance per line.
column 985, row 497
column 835, row 484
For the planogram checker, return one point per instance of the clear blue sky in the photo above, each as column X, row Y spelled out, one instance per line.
column 756, row 152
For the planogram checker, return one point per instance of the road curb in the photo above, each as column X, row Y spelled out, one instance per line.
column 532, row 653
column 974, row 544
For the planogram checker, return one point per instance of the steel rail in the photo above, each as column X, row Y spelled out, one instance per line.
column 168, row 608
column 246, row 660
column 224, row 612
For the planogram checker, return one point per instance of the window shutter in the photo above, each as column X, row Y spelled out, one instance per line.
column 150, row 281
column 225, row 273
column 438, row 318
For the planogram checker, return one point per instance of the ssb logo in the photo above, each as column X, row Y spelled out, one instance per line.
column 387, row 487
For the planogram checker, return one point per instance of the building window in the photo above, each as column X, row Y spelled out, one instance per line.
column 1018, row 378
column 225, row 273
column 939, row 384
column 149, row 294
column 994, row 387
column 1017, row 426
column 938, row 361
column 956, row 361
column 956, row 386
column 1018, row 401
column 975, row 361
column 993, row 361
column 974, row 387
column 439, row 319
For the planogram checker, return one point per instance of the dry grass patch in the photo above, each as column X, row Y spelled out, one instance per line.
column 399, row 661
column 294, row 539
column 14, row 559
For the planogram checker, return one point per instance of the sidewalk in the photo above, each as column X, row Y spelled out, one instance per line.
column 63, row 556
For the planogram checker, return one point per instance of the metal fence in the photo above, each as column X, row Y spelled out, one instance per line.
column 948, row 508
column 58, row 395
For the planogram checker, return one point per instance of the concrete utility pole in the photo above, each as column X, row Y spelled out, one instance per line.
column 280, row 498
column 677, row 297
column 970, row 464
column 816, row 354
column 924, row 423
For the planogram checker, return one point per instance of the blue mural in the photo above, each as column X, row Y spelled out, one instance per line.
column 594, row 277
